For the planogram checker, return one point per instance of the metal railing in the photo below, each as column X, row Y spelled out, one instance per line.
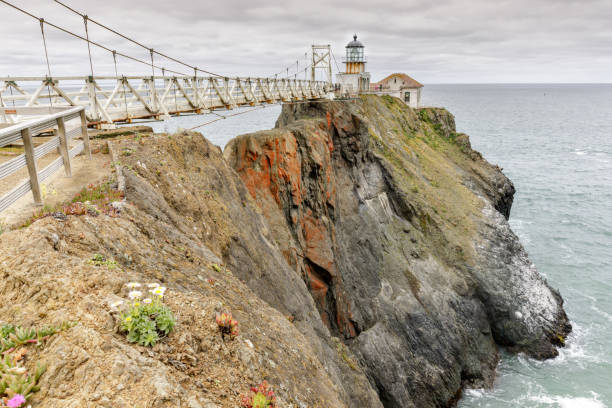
column 49, row 119
column 121, row 99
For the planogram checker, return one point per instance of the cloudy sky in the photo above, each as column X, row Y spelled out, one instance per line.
column 443, row 41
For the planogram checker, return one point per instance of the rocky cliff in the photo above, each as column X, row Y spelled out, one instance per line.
column 362, row 246
column 400, row 231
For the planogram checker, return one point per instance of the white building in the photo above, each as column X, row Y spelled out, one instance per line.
column 401, row 86
column 354, row 80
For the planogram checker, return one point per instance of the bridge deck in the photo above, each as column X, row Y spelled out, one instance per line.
column 111, row 99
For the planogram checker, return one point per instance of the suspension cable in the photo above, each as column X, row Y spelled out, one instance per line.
column 226, row 116
column 11, row 91
column 174, row 90
column 127, row 116
column 221, row 117
column 81, row 37
column 134, row 41
column 88, row 46
column 42, row 31
column 335, row 62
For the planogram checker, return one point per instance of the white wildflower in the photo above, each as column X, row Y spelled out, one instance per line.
column 133, row 285
column 152, row 285
column 159, row 291
column 116, row 304
column 147, row 301
column 135, row 294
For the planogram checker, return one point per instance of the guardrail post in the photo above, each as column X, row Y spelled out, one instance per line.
column 31, row 162
column 63, row 145
column 85, row 135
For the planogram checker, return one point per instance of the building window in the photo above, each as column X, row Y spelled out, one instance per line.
column 407, row 97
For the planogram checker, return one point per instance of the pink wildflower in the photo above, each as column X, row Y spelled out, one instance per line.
column 16, row 401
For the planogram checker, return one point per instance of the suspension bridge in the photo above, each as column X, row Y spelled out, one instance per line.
column 162, row 93
column 61, row 108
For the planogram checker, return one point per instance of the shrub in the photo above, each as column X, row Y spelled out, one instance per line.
column 227, row 325
column 147, row 320
column 263, row 397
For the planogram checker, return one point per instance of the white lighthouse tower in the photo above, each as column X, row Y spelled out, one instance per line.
column 354, row 79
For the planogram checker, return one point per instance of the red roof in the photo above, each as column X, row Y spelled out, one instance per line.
column 408, row 81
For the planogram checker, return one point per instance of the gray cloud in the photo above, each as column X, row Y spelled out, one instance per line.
column 443, row 41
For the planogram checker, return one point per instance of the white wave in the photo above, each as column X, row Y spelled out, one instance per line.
column 571, row 402
column 601, row 312
column 475, row 392
column 575, row 349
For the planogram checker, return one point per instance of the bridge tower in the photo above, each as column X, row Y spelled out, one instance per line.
column 321, row 59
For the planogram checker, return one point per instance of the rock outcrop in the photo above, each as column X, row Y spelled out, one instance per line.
column 362, row 246
column 400, row 231
column 188, row 223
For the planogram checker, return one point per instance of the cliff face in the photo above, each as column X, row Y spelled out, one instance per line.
column 188, row 223
column 362, row 246
column 399, row 229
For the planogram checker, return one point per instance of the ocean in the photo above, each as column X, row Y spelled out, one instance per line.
column 555, row 144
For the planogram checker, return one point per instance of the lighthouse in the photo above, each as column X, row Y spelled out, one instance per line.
column 354, row 79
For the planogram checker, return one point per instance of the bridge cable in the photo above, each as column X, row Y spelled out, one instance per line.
column 227, row 116
column 262, row 107
column 136, row 42
column 127, row 115
column 42, row 30
column 11, row 91
column 174, row 90
column 88, row 46
column 153, row 90
column 335, row 62
column 81, row 37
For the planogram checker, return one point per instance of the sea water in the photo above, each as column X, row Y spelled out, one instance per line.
column 555, row 144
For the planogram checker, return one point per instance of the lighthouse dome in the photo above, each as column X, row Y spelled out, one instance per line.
column 354, row 43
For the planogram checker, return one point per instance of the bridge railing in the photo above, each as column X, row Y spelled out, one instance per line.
column 124, row 98
column 55, row 120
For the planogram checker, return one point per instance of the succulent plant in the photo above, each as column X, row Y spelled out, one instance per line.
column 227, row 325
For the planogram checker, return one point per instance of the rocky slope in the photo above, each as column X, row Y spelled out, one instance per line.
column 362, row 246
column 400, row 231
column 189, row 224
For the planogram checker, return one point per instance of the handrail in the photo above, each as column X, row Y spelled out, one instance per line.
column 35, row 122
column 25, row 130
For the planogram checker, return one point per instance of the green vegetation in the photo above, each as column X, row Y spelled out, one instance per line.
column 100, row 260
column 343, row 352
column 98, row 194
column 262, row 397
column 147, row 320
column 91, row 200
column 16, row 382
column 14, row 336
column 424, row 116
